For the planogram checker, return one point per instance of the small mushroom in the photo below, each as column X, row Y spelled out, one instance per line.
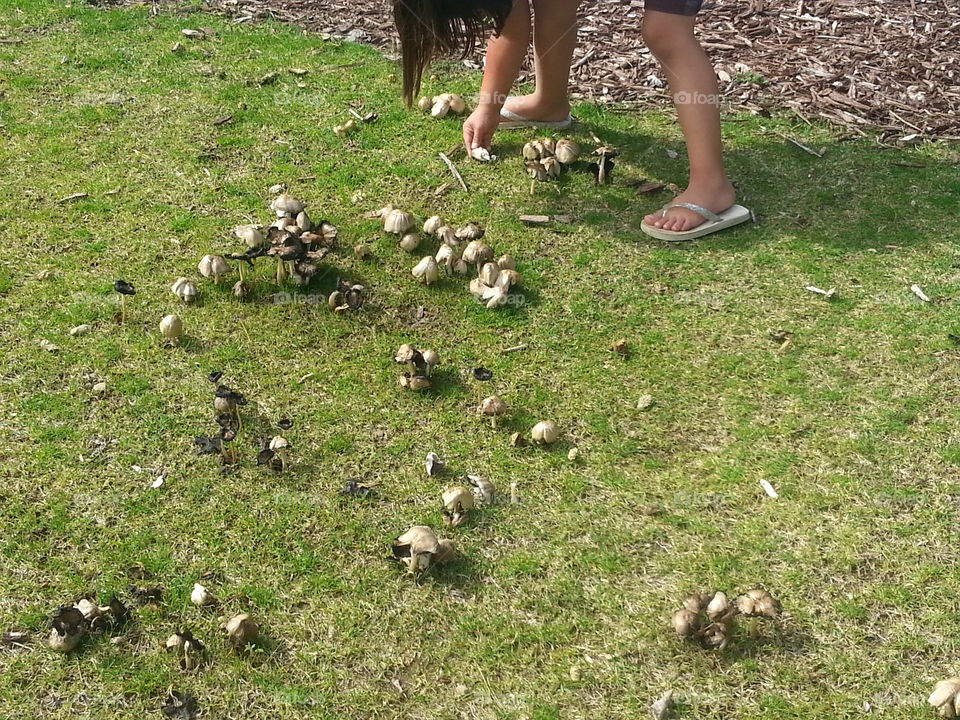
column 425, row 104
column 241, row 630
column 252, row 235
column 686, row 623
column 416, row 549
column 434, row 464
column 567, row 151
column 531, row 151
column 171, row 328
column 285, row 205
column 536, row 171
column 718, row 605
column 185, row 289
column 545, row 432
column 447, row 256
column 492, row 407
column 411, row 357
column 67, row 628
column 477, row 253
column 440, row 108
column 755, row 605
column 471, row 231
column 398, row 222
column 414, row 382
column 549, row 146
column 409, row 242
column 123, row 288
column 447, row 235
column 483, row 489
column 945, row 698
column 507, row 279
column 552, row 167
column 496, row 297
column 488, row 273
column 431, row 358
column 201, row 597
column 241, row 290
column 281, row 447
column 186, row 647
column 213, row 266
column 457, row 502
column 303, row 221
column 432, row 224
column 426, row 271
column 506, row 262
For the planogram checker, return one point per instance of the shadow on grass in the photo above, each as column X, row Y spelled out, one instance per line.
column 855, row 196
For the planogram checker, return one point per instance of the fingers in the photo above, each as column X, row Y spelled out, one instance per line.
column 468, row 136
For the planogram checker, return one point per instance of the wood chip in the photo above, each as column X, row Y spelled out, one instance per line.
column 769, row 489
column 918, row 291
column 75, row 196
column 535, row 219
column 223, row 120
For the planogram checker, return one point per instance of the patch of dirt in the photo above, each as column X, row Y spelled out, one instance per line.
column 868, row 65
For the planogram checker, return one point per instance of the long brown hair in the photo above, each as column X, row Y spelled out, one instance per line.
column 430, row 27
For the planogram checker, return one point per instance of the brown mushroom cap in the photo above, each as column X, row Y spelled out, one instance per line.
column 492, row 406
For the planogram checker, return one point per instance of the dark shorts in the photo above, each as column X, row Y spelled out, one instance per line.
column 677, row 7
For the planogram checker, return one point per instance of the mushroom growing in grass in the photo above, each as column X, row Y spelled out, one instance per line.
column 448, row 256
column 185, row 289
column 285, row 205
column 67, row 628
column 398, row 222
column 448, row 236
column 471, row 231
column 227, row 400
column 123, row 288
column 457, row 502
column 171, row 328
column 431, row 358
column 414, row 382
column 186, row 647
column 416, row 549
column 707, row 618
column 432, row 224
column 567, row 151
column 426, row 271
column 483, row 489
column 477, row 253
column 945, row 698
column 492, row 407
column 755, row 605
column 213, row 266
column 545, row 432
column 241, row 631
column 201, row 597
column 252, row 235
column 409, row 242
column 281, row 447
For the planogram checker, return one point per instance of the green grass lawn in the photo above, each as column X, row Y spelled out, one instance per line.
column 559, row 606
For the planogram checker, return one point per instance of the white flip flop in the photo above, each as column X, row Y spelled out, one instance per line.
column 733, row 215
column 516, row 122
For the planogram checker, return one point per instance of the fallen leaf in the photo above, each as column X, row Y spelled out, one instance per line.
column 645, row 402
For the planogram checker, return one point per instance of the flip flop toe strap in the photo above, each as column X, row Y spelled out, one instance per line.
column 699, row 210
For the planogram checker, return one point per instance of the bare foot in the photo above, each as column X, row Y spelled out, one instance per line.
column 533, row 107
column 714, row 197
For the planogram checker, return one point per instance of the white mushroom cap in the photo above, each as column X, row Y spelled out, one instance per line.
column 431, row 357
column 398, row 222
column 286, row 205
column 427, row 270
column 489, row 272
column 440, row 109
column 213, row 265
column 171, row 327
column 278, row 443
column 432, row 224
column 185, row 289
column 252, row 235
column 545, row 432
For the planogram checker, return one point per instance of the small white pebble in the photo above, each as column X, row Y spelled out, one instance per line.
column 100, row 387
column 80, row 330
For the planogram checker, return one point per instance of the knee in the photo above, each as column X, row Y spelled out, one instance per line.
column 664, row 35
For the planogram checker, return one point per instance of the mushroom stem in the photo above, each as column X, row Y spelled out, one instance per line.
column 236, row 415
column 283, row 460
column 216, row 278
column 493, row 421
column 240, row 269
column 279, row 271
column 753, row 627
column 123, row 309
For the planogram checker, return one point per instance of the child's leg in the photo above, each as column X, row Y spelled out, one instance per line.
column 693, row 83
column 554, row 38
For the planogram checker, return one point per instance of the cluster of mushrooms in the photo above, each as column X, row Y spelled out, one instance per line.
column 241, row 631
column 419, row 366
column 709, row 618
column 945, row 698
column 296, row 242
column 275, row 450
column 419, row 548
column 71, row 623
column 545, row 159
column 439, row 106
column 462, row 251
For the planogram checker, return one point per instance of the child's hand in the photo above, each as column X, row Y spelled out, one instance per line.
column 478, row 129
